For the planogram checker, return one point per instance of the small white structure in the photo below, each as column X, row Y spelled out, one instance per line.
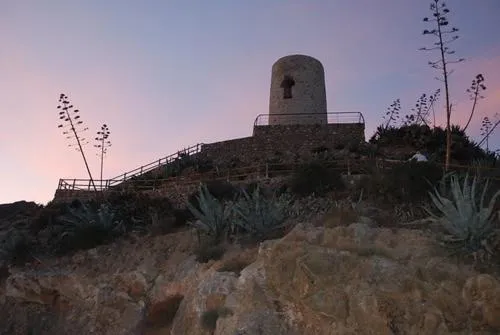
column 418, row 157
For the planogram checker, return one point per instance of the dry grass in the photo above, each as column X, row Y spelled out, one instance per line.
column 340, row 216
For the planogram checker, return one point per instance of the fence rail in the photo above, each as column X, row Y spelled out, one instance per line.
column 310, row 118
column 346, row 166
column 151, row 166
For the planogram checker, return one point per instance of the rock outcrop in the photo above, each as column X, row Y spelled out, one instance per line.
column 344, row 280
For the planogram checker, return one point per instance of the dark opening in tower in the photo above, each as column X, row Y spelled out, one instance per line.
column 286, row 85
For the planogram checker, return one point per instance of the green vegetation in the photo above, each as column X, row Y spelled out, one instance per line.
column 260, row 215
column 86, row 226
column 316, row 178
column 431, row 140
column 255, row 214
column 407, row 182
column 213, row 216
column 465, row 215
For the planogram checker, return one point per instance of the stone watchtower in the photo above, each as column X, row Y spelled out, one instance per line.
column 298, row 91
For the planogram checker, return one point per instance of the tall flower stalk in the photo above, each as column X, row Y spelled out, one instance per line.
column 71, row 116
column 102, row 145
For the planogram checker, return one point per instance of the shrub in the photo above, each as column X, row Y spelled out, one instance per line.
column 411, row 181
column 422, row 137
column 259, row 215
column 221, row 190
column 47, row 216
column 182, row 216
column 134, row 209
column 467, row 221
column 15, row 248
column 316, row 178
column 407, row 182
column 213, row 215
column 320, row 150
column 205, row 165
column 87, row 226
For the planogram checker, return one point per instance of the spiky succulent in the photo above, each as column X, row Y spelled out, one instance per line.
column 464, row 214
column 85, row 226
column 213, row 216
column 260, row 215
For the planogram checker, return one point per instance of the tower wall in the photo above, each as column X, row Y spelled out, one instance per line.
column 297, row 87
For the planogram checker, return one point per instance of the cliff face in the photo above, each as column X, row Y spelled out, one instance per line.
column 355, row 278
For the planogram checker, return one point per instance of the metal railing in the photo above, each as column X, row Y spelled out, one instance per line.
column 310, row 118
column 156, row 164
column 86, row 184
column 268, row 170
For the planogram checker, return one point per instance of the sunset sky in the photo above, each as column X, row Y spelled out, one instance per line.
column 168, row 74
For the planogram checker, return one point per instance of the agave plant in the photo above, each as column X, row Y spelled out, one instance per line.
column 213, row 216
column 260, row 215
column 466, row 219
column 85, row 227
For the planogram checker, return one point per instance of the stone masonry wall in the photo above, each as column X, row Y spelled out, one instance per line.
column 287, row 141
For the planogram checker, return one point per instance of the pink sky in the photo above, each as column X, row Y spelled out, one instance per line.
column 167, row 75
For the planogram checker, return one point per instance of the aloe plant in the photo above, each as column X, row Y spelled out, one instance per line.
column 260, row 215
column 85, row 227
column 213, row 216
column 466, row 218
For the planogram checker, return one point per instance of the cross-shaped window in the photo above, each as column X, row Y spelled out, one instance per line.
column 286, row 85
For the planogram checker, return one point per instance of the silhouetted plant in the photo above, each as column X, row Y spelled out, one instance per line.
column 102, row 144
column 420, row 113
column 487, row 128
column 72, row 117
column 392, row 113
column 439, row 13
column 474, row 91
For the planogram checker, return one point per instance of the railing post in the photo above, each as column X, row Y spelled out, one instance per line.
column 124, row 176
column 73, row 187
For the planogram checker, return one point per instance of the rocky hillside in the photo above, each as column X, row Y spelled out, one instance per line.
column 335, row 262
column 338, row 274
column 354, row 278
